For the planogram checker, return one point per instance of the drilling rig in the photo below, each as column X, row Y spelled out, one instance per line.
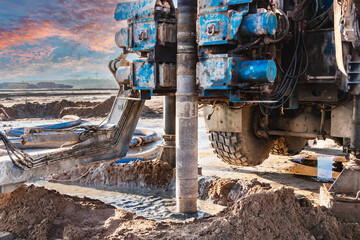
column 266, row 71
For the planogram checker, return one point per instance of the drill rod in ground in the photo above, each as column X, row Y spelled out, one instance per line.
column 186, row 109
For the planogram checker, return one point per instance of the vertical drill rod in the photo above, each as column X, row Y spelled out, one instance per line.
column 186, row 109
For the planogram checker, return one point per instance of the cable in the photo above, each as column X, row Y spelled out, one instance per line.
column 19, row 158
column 244, row 47
column 287, row 27
column 297, row 68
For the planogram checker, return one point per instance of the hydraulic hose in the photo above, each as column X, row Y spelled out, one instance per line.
column 74, row 121
column 140, row 138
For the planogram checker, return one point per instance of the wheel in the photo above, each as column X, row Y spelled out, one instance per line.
column 288, row 146
column 245, row 148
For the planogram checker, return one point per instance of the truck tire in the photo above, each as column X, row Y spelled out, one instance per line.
column 288, row 146
column 245, row 148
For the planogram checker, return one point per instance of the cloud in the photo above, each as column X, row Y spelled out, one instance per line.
column 28, row 31
column 51, row 34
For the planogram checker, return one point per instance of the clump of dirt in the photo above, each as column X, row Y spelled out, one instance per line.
column 149, row 174
column 58, row 109
column 37, row 213
column 219, row 190
column 226, row 191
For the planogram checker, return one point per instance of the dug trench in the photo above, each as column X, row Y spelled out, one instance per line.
column 254, row 210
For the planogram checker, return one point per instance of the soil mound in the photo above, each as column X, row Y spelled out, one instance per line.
column 61, row 108
column 226, row 191
column 36, row 213
column 268, row 214
column 149, row 174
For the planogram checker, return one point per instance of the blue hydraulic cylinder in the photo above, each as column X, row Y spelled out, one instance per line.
column 221, row 72
column 260, row 70
column 259, row 24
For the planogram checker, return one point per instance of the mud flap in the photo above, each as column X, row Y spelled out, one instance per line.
column 221, row 118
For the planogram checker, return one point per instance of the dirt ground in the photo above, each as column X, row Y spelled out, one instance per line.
column 135, row 174
column 58, row 109
column 263, row 202
column 261, row 213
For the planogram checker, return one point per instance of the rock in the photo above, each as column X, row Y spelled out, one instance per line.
column 6, row 236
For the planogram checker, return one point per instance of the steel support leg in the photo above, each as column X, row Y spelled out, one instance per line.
column 168, row 149
column 186, row 109
column 355, row 127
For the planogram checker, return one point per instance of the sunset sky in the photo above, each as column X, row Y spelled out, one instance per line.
column 56, row 39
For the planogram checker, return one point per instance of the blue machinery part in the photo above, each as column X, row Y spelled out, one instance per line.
column 221, row 72
column 152, row 31
column 232, row 23
column 259, row 24
column 219, row 23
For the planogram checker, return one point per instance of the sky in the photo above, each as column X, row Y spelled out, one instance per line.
column 57, row 39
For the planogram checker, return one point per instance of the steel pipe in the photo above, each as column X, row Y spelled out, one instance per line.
column 169, row 115
column 168, row 149
column 292, row 134
column 186, row 109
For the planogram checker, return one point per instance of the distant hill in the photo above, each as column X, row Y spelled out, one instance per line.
column 91, row 83
column 76, row 83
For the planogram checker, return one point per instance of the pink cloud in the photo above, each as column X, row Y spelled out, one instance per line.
column 30, row 32
column 87, row 22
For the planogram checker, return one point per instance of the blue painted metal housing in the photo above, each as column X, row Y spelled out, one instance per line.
column 140, row 35
column 220, row 24
column 233, row 23
column 137, row 9
column 221, row 72
column 151, row 29
column 142, row 74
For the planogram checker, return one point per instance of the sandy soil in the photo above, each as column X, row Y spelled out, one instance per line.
column 135, row 174
column 37, row 213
